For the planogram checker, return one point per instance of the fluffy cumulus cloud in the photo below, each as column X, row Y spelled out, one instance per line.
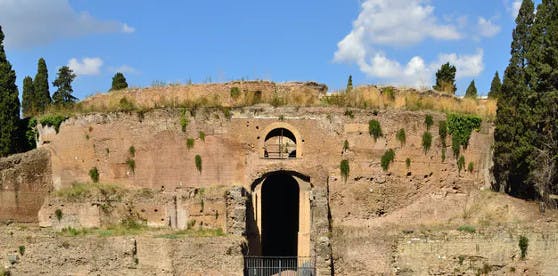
column 388, row 23
column 87, row 66
column 29, row 23
column 487, row 28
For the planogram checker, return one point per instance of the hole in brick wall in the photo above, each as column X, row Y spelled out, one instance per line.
column 258, row 137
column 156, row 210
column 257, row 127
column 143, row 210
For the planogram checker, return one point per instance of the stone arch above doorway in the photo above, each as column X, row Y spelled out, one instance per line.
column 282, row 141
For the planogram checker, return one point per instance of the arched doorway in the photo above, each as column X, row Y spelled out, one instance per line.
column 281, row 141
column 280, row 215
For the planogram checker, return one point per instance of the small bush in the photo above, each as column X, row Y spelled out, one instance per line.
column 190, row 143
column 375, row 129
column 461, row 126
column 235, row 92
column 58, row 214
column 202, row 136
column 184, row 121
column 131, row 165
column 523, row 246
column 408, row 163
column 345, row 169
column 349, row 113
column 389, row 92
column 443, row 131
column 345, row 146
column 461, row 163
column 401, row 136
column 125, row 105
column 281, row 117
column 21, row 250
column 387, row 159
column 426, row 141
column 455, row 146
column 132, row 151
column 471, row 167
column 94, row 174
column 467, row 228
column 443, row 154
column 53, row 121
column 428, row 121
column 198, row 163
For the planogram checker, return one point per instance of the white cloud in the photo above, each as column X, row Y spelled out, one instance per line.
column 419, row 74
column 87, row 66
column 126, row 69
column 402, row 23
column 466, row 65
column 487, row 28
column 29, row 23
column 127, row 29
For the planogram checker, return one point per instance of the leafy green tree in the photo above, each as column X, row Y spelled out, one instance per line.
column 41, row 89
column 9, row 103
column 495, row 87
column 349, row 84
column 63, row 94
column 28, row 105
column 118, row 82
column 471, row 91
column 445, row 79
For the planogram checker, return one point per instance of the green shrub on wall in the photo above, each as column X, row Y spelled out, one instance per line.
column 460, row 126
column 345, row 146
column 443, row 132
column 53, row 121
column 202, row 136
column 461, row 163
column 426, row 141
column 387, row 159
column 401, row 136
column 190, row 143
column 375, row 129
column 408, row 163
column 94, row 174
column 198, row 163
column 428, row 121
column 344, row 167
column 523, row 245
column 235, row 92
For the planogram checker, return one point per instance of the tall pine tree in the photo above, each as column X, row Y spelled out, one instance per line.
column 445, row 79
column 63, row 95
column 42, row 94
column 471, row 91
column 28, row 101
column 495, row 87
column 9, row 103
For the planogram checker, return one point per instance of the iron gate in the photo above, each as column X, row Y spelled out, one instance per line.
column 281, row 266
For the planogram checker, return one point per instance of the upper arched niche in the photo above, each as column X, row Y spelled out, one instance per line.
column 282, row 141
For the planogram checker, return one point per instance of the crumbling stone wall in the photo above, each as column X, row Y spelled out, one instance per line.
column 25, row 181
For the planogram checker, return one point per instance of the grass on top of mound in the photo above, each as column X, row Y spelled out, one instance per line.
column 84, row 190
column 366, row 97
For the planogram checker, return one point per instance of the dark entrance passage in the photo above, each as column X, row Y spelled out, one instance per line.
column 280, row 203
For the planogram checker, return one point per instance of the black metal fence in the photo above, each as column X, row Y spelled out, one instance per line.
column 280, row 266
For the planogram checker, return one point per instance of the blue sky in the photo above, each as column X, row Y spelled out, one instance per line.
column 399, row 42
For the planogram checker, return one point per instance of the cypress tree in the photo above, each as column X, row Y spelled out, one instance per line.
column 28, row 104
column 349, row 84
column 471, row 90
column 9, row 103
column 514, row 121
column 445, row 79
column 64, row 79
column 42, row 94
column 118, row 82
column 495, row 87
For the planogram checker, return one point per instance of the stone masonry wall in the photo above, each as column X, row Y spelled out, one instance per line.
column 25, row 181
